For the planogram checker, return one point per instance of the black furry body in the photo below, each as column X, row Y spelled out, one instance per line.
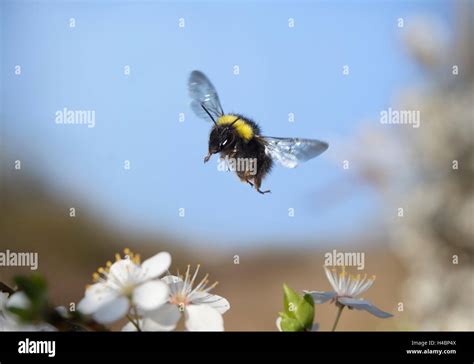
column 228, row 140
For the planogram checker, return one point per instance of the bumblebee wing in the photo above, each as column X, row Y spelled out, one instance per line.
column 204, row 94
column 289, row 152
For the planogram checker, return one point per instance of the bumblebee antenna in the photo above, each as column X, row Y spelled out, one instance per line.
column 208, row 113
column 235, row 121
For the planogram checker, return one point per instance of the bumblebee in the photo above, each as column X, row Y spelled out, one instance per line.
column 238, row 138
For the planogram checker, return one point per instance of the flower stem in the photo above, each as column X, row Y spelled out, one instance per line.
column 339, row 311
column 134, row 323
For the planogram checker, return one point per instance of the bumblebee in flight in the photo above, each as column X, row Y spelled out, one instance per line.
column 238, row 138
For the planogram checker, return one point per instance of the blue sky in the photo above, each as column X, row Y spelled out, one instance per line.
column 282, row 70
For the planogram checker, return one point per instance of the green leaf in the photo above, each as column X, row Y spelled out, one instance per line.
column 308, row 298
column 290, row 300
column 297, row 308
column 305, row 312
column 290, row 324
column 35, row 289
column 23, row 314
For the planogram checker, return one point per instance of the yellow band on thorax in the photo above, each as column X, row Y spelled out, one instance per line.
column 243, row 128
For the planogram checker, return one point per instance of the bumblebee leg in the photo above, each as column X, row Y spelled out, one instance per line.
column 250, row 183
column 207, row 157
column 257, row 187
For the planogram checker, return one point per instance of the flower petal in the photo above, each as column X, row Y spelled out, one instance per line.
column 112, row 311
column 3, row 300
column 320, row 297
column 19, row 300
column 174, row 283
column 169, row 279
column 62, row 311
column 145, row 325
column 122, row 271
column 364, row 305
column 96, row 295
column 129, row 327
column 164, row 318
column 156, row 265
column 203, row 318
column 150, row 295
column 278, row 323
column 213, row 300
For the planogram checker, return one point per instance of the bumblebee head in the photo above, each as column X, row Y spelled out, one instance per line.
column 221, row 138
